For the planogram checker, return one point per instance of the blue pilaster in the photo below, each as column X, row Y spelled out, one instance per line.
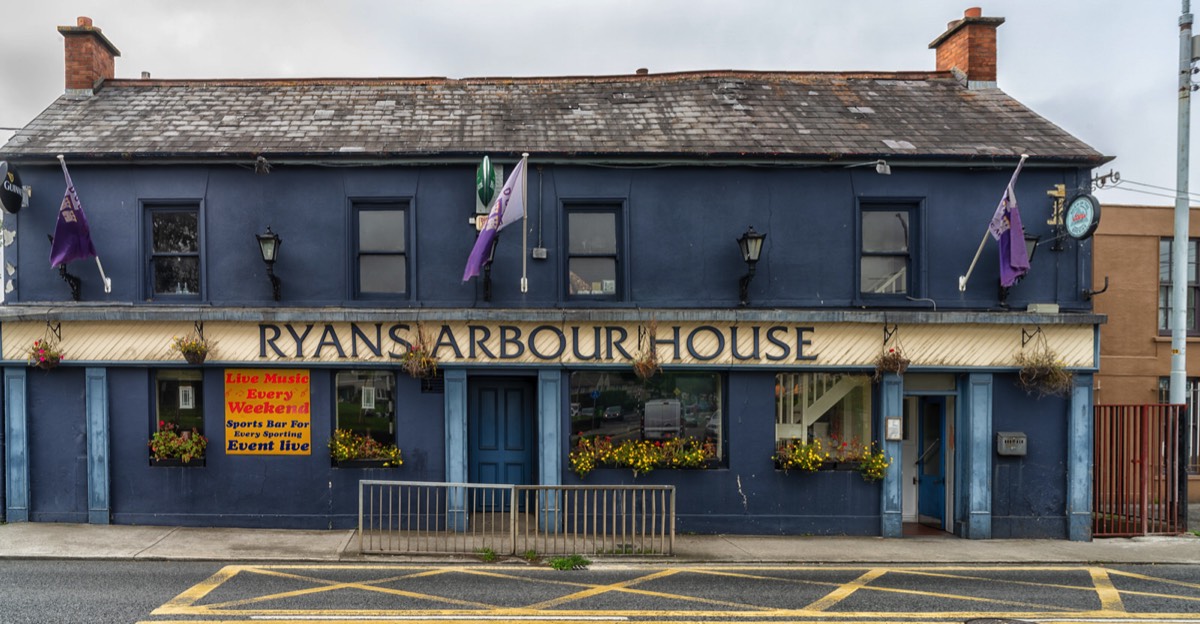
column 96, row 400
column 1079, row 461
column 456, row 445
column 891, row 508
column 978, row 456
column 16, row 465
column 550, row 446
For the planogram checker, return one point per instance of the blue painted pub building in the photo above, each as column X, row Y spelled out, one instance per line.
column 873, row 191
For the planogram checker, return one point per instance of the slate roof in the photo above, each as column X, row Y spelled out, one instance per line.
column 789, row 116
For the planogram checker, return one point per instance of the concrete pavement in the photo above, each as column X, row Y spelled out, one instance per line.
column 37, row 540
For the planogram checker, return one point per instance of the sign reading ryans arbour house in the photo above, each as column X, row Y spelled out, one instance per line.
column 267, row 412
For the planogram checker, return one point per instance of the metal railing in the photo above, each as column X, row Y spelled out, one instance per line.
column 417, row 517
column 1138, row 477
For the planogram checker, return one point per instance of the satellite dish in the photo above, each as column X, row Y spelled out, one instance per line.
column 11, row 191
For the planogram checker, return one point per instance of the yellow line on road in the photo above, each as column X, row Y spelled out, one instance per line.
column 1110, row 598
column 844, row 592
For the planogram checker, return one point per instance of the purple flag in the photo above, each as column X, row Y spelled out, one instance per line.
column 1007, row 230
column 507, row 208
column 72, row 237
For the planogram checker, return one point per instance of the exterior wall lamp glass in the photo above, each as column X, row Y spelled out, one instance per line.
column 881, row 166
column 751, row 244
column 268, row 246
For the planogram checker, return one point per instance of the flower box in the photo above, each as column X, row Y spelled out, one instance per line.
column 177, row 462
column 362, row 463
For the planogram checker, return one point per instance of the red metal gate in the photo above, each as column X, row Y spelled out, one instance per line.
column 1139, row 480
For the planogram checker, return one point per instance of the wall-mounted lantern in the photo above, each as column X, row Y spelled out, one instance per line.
column 268, row 246
column 750, row 243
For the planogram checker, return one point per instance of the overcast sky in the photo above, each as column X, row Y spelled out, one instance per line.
column 1104, row 70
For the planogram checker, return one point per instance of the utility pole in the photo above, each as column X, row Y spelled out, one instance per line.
column 1179, row 246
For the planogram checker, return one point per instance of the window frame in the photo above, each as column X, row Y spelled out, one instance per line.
column 156, row 378
column 700, row 420
column 357, row 207
column 1163, row 303
column 149, row 209
column 392, row 417
column 620, row 256
column 914, row 266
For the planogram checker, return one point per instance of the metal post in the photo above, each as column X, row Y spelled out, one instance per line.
column 1179, row 253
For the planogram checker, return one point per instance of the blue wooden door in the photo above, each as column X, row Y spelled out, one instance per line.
column 931, row 465
column 500, row 431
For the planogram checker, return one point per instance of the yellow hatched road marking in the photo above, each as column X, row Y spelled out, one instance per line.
column 626, row 586
column 1110, row 598
column 1112, row 608
column 843, row 592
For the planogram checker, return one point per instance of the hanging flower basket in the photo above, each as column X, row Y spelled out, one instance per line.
column 44, row 354
column 891, row 361
column 645, row 361
column 194, row 347
column 419, row 361
column 1042, row 372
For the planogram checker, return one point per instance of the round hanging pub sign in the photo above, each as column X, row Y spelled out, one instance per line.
column 11, row 191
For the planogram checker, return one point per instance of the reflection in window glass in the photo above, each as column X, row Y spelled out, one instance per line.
column 366, row 404
column 381, row 248
column 668, row 405
column 593, row 251
column 175, row 251
column 831, row 407
column 178, row 399
column 885, row 259
column 1164, row 286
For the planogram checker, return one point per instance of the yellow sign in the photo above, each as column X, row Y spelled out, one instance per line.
column 267, row 412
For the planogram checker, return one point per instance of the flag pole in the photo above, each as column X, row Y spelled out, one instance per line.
column 524, row 223
column 62, row 160
column 962, row 279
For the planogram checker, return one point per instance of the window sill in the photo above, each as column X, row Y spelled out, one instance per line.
column 175, row 462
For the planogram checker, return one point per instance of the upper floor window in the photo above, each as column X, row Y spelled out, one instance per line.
column 594, row 252
column 381, row 250
column 1164, row 287
column 886, row 255
column 174, row 251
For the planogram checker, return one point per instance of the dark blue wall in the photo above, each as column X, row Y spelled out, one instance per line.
column 681, row 225
column 680, row 228
column 1029, row 493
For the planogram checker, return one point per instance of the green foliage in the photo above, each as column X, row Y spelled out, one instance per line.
column 797, row 455
column 169, row 443
column 640, row 455
column 873, row 463
column 572, row 562
column 530, row 556
column 346, row 445
column 487, row 555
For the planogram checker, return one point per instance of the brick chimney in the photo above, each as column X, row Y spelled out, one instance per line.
column 90, row 57
column 968, row 48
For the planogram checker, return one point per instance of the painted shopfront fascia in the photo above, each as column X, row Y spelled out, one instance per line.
column 576, row 344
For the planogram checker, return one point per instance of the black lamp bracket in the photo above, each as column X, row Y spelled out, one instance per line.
column 888, row 333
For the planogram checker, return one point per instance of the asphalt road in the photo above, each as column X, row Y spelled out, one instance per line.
column 94, row 591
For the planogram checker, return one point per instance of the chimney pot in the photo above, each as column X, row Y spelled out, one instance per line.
column 145, row 75
column 642, row 71
column 968, row 47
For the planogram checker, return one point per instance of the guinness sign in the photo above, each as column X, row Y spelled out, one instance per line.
column 12, row 194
